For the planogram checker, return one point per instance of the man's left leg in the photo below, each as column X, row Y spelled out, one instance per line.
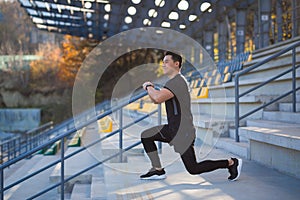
column 194, row 167
column 148, row 138
column 233, row 165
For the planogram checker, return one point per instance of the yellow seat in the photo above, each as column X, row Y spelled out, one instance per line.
column 105, row 125
column 194, row 93
column 203, row 93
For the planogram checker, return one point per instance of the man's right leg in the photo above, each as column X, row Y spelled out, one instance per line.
column 148, row 138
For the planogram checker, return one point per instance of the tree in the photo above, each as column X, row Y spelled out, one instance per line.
column 74, row 51
column 44, row 72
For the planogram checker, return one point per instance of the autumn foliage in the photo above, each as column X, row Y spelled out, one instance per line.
column 45, row 70
column 59, row 64
column 74, row 51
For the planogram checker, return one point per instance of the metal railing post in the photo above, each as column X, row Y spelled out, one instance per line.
column 159, row 123
column 121, row 133
column 294, row 19
column 237, row 109
column 15, row 149
column 8, row 150
column 294, row 78
column 62, row 170
column 2, row 152
column 2, row 183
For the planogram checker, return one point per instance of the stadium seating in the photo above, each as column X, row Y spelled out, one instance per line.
column 53, row 149
column 222, row 74
column 76, row 140
column 105, row 125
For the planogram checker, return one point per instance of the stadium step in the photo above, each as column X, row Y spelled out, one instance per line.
column 276, row 145
column 81, row 192
column 288, row 107
column 34, row 184
column 98, row 188
column 282, row 116
column 272, row 49
column 229, row 144
column 271, row 124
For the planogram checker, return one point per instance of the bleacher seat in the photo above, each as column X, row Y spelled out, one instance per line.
column 54, row 148
column 76, row 140
column 105, row 125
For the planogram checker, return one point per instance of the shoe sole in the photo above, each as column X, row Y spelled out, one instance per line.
column 239, row 169
column 155, row 177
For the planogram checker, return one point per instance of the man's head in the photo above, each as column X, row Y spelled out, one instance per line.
column 175, row 57
column 171, row 63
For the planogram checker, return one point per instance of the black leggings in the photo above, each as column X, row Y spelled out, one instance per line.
column 160, row 133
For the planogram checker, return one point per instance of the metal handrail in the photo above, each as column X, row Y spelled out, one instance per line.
column 245, row 71
column 17, row 145
column 61, row 138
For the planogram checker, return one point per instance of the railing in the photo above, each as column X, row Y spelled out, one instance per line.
column 63, row 157
column 15, row 146
column 293, row 68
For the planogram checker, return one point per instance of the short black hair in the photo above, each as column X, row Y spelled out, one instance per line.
column 175, row 57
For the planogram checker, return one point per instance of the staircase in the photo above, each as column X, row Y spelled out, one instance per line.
column 214, row 116
column 274, row 141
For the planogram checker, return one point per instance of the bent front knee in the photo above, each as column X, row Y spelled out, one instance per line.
column 193, row 172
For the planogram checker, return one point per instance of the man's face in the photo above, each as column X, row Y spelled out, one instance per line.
column 169, row 66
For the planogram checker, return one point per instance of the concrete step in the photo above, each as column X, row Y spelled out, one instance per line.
column 270, row 72
column 33, row 185
column 288, row 107
column 228, row 89
column 271, row 124
column 98, row 188
column 81, row 191
column 74, row 165
column 229, row 144
column 276, row 147
column 272, row 49
column 277, row 61
column 225, row 107
column 282, row 116
column 208, row 121
column 287, row 137
column 232, row 134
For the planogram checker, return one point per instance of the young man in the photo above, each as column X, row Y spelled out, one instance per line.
column 179, row 131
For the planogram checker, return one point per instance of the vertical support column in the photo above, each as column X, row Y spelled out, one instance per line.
column 294, row 78
column 295, row 18
column 159, row 123
column 256, row 31
column 2, row 182
column 196, row 57
column 264, row 7
column 209, row 42
column 188, row 51
column 121, row 134
column 237, row 109
column 222, row 46
column 62, row 170
column 2, row 152
column 241, row 14
column 279, row 20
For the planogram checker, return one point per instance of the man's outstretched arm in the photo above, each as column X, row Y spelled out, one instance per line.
column 157, row 96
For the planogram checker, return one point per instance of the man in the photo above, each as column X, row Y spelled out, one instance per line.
column 179, row 131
